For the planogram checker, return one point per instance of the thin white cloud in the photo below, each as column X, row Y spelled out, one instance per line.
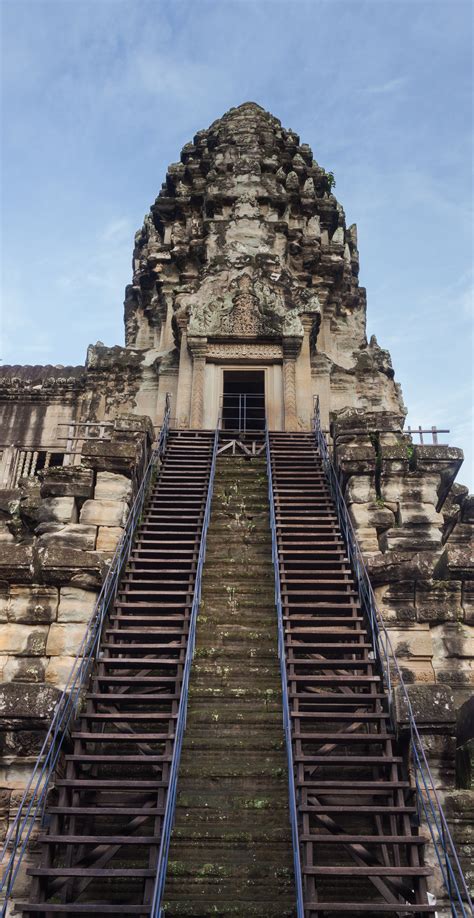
column 116, row 230
column 388, row 87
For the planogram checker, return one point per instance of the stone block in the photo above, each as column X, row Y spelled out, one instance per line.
column 74, row 535
column 64, row 640
column 356, row 460
column 467, row 601
column 67, row 481
column 111, row 486
column 396, row 601
column 4, row 602
column 433, row 706
column 23, row 639
column 104, row 512
column 60, row 564
column 413, row 538
column 438, row 601
column 453, row 653
column 458, row 560
column 58, row 510
column 108, row 538
column 58, row 670
column 110, row 455
column 458, row 640
column 23, row 669
column 19, row 700
column 368, row 541
column 360, row 489
column 416, row 670
column 394, row 566
column 16, row 562
column 412, row 641
column 414, row 513
column 418, row 489
column 32, row 605
column 75, row 605
column 375, row 515
column 5, row 534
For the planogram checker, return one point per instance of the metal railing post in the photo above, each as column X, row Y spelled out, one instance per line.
column 285, row 698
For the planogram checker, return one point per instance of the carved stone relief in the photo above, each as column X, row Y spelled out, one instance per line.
column 244, row 351
column 253, row 306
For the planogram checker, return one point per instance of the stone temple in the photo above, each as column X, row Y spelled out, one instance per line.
column 244, row 316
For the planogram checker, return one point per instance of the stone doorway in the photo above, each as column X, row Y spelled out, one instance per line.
column 243, row 401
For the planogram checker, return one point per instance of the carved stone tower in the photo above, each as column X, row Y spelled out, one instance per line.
column 245, row 263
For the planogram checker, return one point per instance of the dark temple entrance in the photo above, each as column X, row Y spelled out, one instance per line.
column 243, row 404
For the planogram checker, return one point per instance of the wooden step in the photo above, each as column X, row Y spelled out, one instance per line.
column 99, row 839
column 116, row 872
column 83, row 908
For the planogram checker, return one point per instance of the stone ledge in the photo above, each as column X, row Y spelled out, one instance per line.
column 433, row 707
column 66, row 481
column 22, row 700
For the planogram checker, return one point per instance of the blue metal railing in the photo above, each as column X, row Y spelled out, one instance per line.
column 168, row 819
column 284, row 686
column 33, row 802
column 428, row 798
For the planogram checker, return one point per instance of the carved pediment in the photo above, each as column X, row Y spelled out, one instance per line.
column 253, row 307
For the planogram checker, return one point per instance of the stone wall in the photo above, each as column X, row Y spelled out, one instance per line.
column 58, row 534
column 416, row 527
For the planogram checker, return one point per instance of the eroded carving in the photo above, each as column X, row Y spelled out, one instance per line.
column 244, row 352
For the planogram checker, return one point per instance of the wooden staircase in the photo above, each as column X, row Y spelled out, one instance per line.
column 360, row 848
column 101, row 849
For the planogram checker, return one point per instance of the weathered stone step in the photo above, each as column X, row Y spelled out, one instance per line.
column 228, row 650
column 250, row 785
column 211, row 710
column 246, row 694
column 232, row 652
column 251, row 511
column 229, row 909
column 235, row 744
column 230, row 673
column 244, row 630
column 241, row 582
column 211, row 603
column 258, row 590
column 250, row 605
column 237, row 861
column 228, row 838
column 223, row 552
column 240, row 801
column 240, row 570
column 235, row 652
column 242, row 763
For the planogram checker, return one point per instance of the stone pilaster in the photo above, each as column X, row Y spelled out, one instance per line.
column 303, row 375
column 185, row 377
column 198, row 350
column 291, row 347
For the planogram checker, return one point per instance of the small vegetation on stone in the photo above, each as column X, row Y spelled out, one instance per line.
column 329, row 181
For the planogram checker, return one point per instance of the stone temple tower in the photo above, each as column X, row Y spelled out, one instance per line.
column 244, row 315
column 245, row 263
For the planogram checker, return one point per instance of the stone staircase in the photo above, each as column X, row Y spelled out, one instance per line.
column 231, row 850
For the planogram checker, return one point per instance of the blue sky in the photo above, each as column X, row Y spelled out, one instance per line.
column 100, row 95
